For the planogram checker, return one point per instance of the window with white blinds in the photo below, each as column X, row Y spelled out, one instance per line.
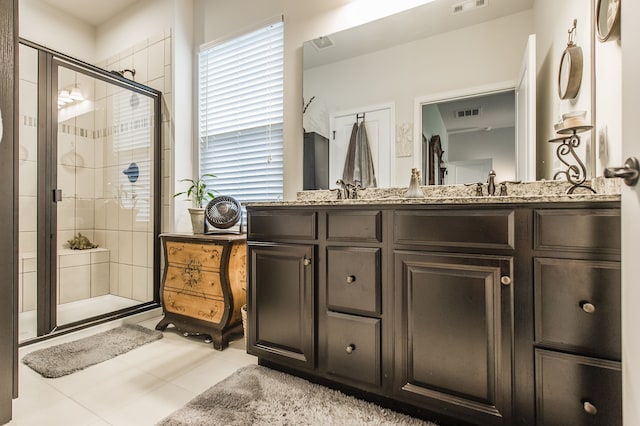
column 240, row 114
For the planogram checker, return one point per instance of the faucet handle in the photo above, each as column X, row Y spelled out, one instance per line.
column 503, row 186
column 338, row 192
column 354, row 190
column 478, row 188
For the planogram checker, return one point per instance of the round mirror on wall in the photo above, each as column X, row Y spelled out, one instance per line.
column 608, row 20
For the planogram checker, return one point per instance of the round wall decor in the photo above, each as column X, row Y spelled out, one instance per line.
column 570, row 70
column 608, row 19
column 570, row 73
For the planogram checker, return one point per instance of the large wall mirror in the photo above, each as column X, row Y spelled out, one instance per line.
column 466, row 76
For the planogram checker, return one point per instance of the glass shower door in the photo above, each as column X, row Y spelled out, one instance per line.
column 88, row 202
column 105, row 224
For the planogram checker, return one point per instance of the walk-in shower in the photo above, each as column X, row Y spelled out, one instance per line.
column 88, row 191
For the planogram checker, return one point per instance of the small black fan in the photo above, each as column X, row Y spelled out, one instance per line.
column 223, row 212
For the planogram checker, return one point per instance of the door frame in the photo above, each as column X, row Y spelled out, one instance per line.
column 391, row 107
column 8, row 209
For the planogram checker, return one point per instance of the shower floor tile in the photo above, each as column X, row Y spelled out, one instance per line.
column 75, row 311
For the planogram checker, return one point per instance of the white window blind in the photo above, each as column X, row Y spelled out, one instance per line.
column 240, row 114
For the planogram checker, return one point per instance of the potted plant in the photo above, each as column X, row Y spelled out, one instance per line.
column 197, row 192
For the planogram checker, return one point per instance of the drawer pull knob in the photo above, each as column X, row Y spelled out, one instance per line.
column 589, row 408
column 306, row 262
column 505, row 280
column 350, row 279
column 588, row 307
column 349, row 349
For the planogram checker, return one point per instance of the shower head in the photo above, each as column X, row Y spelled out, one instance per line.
column 122, row 72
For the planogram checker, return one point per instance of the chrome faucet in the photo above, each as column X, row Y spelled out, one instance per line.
column 348, row 191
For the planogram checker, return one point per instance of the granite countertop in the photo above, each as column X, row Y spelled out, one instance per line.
column 528, row 192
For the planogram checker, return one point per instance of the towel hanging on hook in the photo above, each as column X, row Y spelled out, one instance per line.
column 358, row 167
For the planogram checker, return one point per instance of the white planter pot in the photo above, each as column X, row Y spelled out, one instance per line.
column 197, row 220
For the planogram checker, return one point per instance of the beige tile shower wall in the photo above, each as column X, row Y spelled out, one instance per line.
column 90, row 170
column 121, row 224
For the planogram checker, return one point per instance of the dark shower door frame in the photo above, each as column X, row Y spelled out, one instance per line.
column 49, row 62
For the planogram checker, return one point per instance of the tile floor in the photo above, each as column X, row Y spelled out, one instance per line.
column 137, row 388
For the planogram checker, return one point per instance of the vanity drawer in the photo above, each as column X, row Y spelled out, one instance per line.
column 354, row 226
column 353, row 347
column 353, row 279
column 456, row 228
column 577, row 306
column 577, row 230
column 574, row 390
column 282, row 224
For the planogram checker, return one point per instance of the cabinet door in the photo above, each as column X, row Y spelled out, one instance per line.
column 281, row 303
column 454, row 334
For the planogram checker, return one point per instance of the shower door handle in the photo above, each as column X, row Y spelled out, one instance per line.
column 57, row 195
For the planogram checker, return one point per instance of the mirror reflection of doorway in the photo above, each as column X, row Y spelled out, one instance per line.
column 87, row 221
column 473, row 132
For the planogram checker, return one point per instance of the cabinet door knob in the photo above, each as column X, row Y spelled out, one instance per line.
column 306, row 262
column 351, row 278
column 505, row 280
column 588, row 307
column 589, row 408
column 349, row 349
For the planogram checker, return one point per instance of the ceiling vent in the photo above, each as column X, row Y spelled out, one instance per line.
column 322, row 42
column 468, row 5
column 464, row 113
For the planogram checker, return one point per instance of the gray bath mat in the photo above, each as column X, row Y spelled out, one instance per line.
column 67, row 358
column 256, row 395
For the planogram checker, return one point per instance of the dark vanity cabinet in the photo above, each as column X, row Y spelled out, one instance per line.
column 489, row 314
column 577, row 317
column 281, row 268
column 350, row 314
column 453, row 311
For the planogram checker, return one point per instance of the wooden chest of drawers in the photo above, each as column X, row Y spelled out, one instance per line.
column 203, row 286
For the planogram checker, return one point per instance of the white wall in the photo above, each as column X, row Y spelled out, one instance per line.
column 608, row 117
column 45, row 25
column 559, row 16
column 144, row 19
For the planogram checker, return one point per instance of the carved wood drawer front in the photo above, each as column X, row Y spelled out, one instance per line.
column 354, row 226
column 198, row 282
column 353, row 347
column 353, row 280
column 456, row 228
column 575, row 390
column 577, row 230
column 193, row 305
column 300, row 225
column 206, row 256
column 577, row 306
